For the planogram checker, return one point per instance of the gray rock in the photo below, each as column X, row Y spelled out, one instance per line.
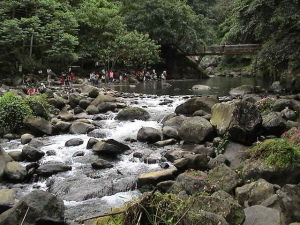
column 26, row 138
column 91, row 143
column 217, row 161
column 149, row 135
column 7, row 199
column 176, row 154
column 103, row 98
column 50, row 168
column 170, row 132
column 165, row 142
column 39, row 125
column 93, row 93
column 15, row 172
column 84, row 103
column 164, row 186
column 16, row 156
column 155, row 177
column 289, row 114
column 195, row 130
column 92, row 110
column 31, row 153
column 66, row 116
column 51, row 152
column 273, row 123
column 78, row 110
column 197, row 162
column 77, row 154
column 56, row 102
column 133, row 113
column 62, row 127
column 235, row 153
column 81, row 128
column 109, row 147
column 101, row 164
column 242, row 90
column 260, row 215
column 106, row 106
column 74, row 142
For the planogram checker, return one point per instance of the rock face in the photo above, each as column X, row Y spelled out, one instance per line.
column 74, row 142
column 133, row 113
column 31, row 153
column 149, row 135
column 155, row 177
column 109, row 147
column 15, row 172
column 80, row 128
column 39, row 125
column 51, row 168
column 41, row 206
column 195, row 104
column 240, row 119
column 195, row 130
column 260, row 215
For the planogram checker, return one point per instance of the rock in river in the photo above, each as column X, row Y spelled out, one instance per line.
column 31, row 153
column 74, row 142
column 51, row 168
column 109, row 147
column 149, row 135
column 101, row 164
column 133, row 113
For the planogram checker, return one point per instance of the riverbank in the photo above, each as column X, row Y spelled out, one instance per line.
column 193, row 143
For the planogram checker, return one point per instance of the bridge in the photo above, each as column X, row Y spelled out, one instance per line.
column 241, row 49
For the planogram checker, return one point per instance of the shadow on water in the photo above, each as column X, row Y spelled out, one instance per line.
column 219, row 86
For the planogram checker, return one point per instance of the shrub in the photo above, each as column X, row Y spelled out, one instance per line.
column 265, row 105
column 277, row 152
column 13, row 111
column 39, row 105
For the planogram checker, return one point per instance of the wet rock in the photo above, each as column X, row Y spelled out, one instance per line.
column 97, row 133
column 164, row 165
column 15, row 172
column 26, row 138
column 109, row 147
column 200, row 113
column 197, row 162
column 77, row 154
column 170, row 132
column 16, row 156
column 276, row 87
column 289, row 198
column 254, row 193
column 81, row 128
column 101, row 164
column 36, row 143
column 150, row 160
column 106, row 106
column 273, row 123
column 224, row 178
column 62, row 127
column 243, row 90
column 56, row 102
column 40, row 206
column 31, row 153
column 50, row 168
column 260, row 215
column 195, row 104
column 98, row 117
column 176, row 154
column 165, row 142
column 92, row 110
column 38, row 125
column 195, row 130
column 93, row 93
column 138, row 155
column 74, row 142
column 240, row 119
column 7, row 199
column 133, row 113
column 91, row 142
column 66, row 116
column 78, row 110
column 73, row 101
column 155, row 177
column 199, row 87
column 51, row 152
column 84, row 103
column 149, row 135
column 103, row 98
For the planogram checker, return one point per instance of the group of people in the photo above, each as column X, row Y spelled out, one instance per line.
column 109, row 76
column 67, row 79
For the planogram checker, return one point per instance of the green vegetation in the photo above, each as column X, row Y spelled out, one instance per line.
column 277, row 152
column 39, row 105
column 222, row 144
column 292, row 136
column 265, row 105
column 13, row 111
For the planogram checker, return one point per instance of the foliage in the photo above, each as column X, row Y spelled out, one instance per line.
column 265, row 105
column 222, row 144
column 292, row 136
column 41, row 101
column 13, row 111
column 276, row 152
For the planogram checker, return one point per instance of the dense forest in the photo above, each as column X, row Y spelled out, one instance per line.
column 135, row 34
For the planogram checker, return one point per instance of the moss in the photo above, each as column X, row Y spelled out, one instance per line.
column 276, row 152
column 111, row 220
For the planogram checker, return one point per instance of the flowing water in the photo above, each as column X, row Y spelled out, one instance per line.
column 85, row 191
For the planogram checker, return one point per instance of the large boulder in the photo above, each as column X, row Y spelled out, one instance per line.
column 195, row 104
column 197, row 162
column 4, row 159
column 31, row 153
column 50, row 168
column 273, row 123
column 92, row 110
column 37, row 206
column 26, row 138
column 133, row 113
column 240, row 119
column 74, row 142
column 39, row 125
column 57, row 102
column 81, row 128
column 15, row 172
column 109, row 147
column 170, row 132
column 84, row 103
column 260, row 215
column 235, row 153
column 16, row 155
column 93, row 93
column 66, row 116
column 149, row 135
column 243, row 90
column 195, row 130
column 107, row 106
column 103, row 98
column 61, row 127
column 101, row 164
column 155, row 177
column 7, row 199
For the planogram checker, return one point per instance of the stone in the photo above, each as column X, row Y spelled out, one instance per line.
column 260, row 215
column 78, row 110
column 133, row 113
column 74, row 142
column 224, row 178
column 149, row 135
column 101, row 164
column 195, row 104
column 39, row 125
column 51, row 152
column 62, row 127
column 106, row 106
column 16, row 156
column 170, row 132
column 57, row 102
column 138, row 155
column 205, row 218
column 235, row 153
column 273, row 123
column 50, row 168
column 200, row 113
column 93, row 93
column 91, row 142
column 289, row 114
column 26, row 138
column 195, row 130
column 31, row 153
column 281, row 104
column 84, row 103
column 242, row 90
column 176, row 154
column 7, row 199
column 77, row 154
column 254, row 193
column 240, row 119
column 92, row 110
column 217, row 161
column 15, row 172
column 155, row 177
column 110, row 147
column 40, row 206
column 36, row 143
column 81, row 128
column 164, row 186
column 66, row 116
column 199, row 87
column 97, row 133
column 197, row 162
column 103, row 98
column 165, row 142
